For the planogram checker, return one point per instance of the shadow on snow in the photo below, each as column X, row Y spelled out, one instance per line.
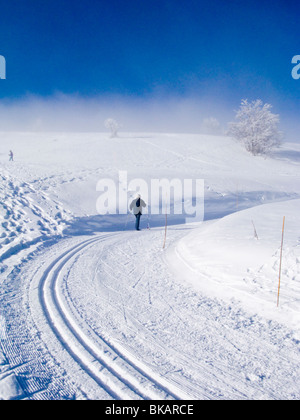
column 216, row 206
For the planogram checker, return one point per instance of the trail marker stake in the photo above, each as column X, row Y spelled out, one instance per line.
column 255, row 233
column 166, row 222
column 280, row 266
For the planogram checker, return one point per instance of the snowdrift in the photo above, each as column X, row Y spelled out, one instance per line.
column 238, row 257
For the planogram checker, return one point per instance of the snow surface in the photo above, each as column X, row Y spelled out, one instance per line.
column 91, row 309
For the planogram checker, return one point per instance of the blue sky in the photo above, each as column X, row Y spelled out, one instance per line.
column 145, row 49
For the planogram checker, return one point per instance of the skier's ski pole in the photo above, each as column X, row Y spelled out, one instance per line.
column 126, row 221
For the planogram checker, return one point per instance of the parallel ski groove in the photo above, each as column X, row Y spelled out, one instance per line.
column 88, row 357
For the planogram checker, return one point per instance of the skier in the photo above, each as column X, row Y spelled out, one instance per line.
column 137, row 207
column 11, row 156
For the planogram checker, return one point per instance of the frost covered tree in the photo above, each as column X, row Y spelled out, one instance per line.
column 113, row 126
column 211, row 126
column 256, row 127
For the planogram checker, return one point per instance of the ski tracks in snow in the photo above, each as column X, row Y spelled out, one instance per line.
column 109, row 321
column 112, row 368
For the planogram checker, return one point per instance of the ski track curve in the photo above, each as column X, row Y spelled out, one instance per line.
column 219, row 359
column 113, row 369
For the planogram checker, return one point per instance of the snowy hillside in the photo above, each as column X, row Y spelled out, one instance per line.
column 238, row 257
column 89, row 308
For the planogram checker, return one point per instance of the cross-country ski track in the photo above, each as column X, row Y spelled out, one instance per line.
column 99, row 317
column 113, row 371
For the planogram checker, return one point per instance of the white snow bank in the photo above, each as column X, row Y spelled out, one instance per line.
column 224, row 259
column 10, row 388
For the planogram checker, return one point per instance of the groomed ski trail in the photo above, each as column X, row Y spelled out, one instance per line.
column 107, row 318
column 113, row 369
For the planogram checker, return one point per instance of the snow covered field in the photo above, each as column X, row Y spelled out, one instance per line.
column 91, row 309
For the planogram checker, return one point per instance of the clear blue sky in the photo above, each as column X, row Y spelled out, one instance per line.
column 230, row 49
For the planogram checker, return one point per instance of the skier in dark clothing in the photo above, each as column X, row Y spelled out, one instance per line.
column 11, row 156
column 137, row 207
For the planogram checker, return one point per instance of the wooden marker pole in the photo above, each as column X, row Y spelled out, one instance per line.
column 280, row 266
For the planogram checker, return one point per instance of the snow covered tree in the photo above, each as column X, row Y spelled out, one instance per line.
column 211, row 126
column 256, row 127
column 113, row 126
